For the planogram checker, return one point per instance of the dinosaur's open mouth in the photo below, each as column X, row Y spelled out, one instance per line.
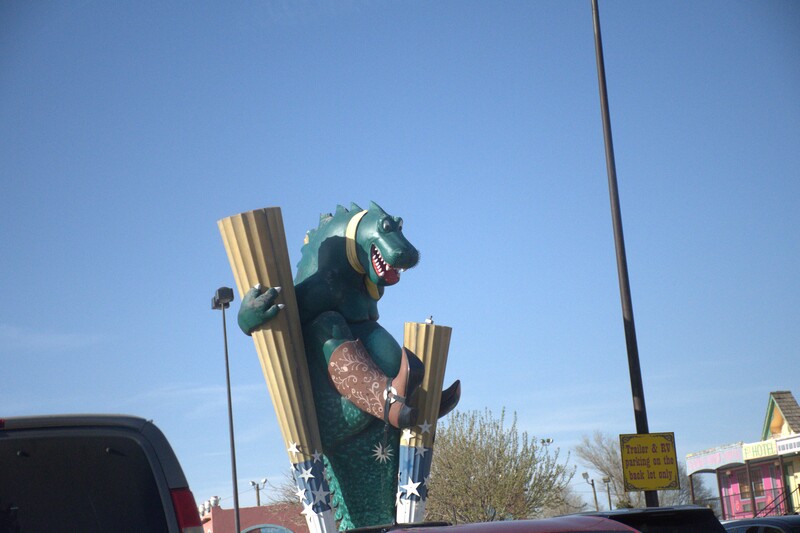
column 385, row 271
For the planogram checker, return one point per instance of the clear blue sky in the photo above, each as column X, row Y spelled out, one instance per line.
column 127, row 129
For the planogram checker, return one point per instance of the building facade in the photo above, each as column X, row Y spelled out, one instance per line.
column 758, row 478
column 276, row 518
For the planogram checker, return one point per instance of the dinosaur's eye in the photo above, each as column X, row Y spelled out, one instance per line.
column 399, row 224
column 387, row 224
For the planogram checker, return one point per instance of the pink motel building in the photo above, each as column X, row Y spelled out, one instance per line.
column 758, row 478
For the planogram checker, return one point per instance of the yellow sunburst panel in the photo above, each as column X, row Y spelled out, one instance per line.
column 256, row 245
column 431, row 344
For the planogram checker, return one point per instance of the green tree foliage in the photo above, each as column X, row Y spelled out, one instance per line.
column 601, row 453
column 484, row 471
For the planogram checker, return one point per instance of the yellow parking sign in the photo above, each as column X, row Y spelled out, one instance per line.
column 649, row 461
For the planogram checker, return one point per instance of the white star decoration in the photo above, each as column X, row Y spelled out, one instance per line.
column 425, row 482
column 425, row 427
column 301, row 493
column 308, row 509
column 319, row 495
column 307, row 474
column 420, row 451
column 406, row 434
column 411, row 487
column 317, row 456
column 382, row 454
column 293, row 448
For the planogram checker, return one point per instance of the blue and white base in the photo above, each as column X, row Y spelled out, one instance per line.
column 314, row 493
column 412, row 486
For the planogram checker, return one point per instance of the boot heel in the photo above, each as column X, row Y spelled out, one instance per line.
column 404, row 387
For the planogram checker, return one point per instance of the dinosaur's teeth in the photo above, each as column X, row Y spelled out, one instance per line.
column 381, row 267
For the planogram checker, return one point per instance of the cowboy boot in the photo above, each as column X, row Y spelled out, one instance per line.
column 356, row 376
column 450, row 397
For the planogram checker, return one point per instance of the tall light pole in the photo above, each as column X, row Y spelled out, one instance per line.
column 637, row 389
column 222, row 300
column 258, row 486
column 607, row 480
column 594, row 492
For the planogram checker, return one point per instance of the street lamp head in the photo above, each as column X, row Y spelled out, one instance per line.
column 222, row 299
column 253, row 484
column 585, row 476
column 606, row 480
column 264, row 481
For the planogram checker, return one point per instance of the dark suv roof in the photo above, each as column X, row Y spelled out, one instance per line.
column 562, row 524
column 775, row 523
column 91, row 473
column 677, row 519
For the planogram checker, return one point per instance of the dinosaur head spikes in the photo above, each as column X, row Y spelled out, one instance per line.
column 367, row 242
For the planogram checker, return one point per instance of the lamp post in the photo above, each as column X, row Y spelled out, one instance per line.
column 634, row 368
column 222, row 300
column 258, row 486
column 594, row 492
column 607, row 480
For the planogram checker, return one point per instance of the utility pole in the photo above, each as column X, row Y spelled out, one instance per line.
column 607, row 481
column 637, row 388
column 594, row 492
column 258, row 486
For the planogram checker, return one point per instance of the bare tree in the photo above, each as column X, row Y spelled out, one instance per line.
column 484, row 471
column 601, row 453
column 568, row 503
column 284, row 495
column 285, row 492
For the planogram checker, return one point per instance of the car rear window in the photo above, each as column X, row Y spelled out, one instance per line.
column 90, row 484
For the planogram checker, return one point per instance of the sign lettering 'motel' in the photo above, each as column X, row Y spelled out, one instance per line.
column 649, row 462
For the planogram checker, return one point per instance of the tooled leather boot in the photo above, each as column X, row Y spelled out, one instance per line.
column 356, row 376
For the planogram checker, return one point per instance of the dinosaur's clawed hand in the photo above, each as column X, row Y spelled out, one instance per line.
column 258, row 307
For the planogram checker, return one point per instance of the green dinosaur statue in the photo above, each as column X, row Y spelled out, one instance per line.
column 363, row 381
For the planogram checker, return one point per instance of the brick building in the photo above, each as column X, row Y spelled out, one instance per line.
column 278, row 518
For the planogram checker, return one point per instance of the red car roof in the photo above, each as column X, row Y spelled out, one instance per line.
column 563, row 524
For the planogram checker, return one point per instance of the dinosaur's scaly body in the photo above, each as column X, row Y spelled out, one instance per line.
column 337, row 299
